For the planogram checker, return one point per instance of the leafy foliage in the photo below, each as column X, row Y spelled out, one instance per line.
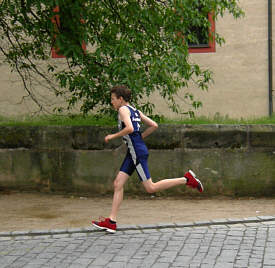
column 140, row 43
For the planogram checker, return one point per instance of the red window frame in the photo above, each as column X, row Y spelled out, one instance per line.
column 212, row 43
column 56, row 21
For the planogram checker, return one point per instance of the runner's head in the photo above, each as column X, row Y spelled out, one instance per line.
column 122, row 91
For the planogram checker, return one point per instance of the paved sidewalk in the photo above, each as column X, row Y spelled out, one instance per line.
column 221, row 243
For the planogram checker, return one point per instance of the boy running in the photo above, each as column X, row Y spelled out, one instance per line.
column 129, row 120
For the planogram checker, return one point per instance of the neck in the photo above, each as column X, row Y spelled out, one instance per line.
column 124, row 103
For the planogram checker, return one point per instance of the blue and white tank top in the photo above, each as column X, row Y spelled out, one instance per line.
column 134, row 140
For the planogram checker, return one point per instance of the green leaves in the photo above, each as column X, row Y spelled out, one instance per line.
column 143, row 44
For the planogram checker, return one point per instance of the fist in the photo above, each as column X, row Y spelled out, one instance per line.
column 107, row 138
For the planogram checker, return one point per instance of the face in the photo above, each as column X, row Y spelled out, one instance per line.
column 116, row 102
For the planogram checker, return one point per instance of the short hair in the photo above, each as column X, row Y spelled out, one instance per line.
column 122, row 91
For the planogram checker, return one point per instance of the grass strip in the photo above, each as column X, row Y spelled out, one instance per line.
column 93, row 120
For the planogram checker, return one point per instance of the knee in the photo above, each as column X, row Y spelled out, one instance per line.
column 150, row 189
column 117, row 185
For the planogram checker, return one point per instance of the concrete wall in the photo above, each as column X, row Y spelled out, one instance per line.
column 240, row 71
column 229, row 160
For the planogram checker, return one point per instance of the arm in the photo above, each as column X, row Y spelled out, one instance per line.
column 152, row 125
column 124, row 114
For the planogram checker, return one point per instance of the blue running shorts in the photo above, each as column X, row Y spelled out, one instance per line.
column 128, row 166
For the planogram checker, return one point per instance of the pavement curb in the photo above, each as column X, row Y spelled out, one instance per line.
column 90, row 229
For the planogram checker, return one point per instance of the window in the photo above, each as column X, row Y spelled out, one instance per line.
column 58, row 25
column 56, row 22
column 206, row 43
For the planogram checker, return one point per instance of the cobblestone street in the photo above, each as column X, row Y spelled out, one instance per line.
column 221, row 244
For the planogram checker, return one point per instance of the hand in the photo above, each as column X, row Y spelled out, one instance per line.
column 108, row 138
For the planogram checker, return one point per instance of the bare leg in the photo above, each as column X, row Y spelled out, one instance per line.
column 119, row 182
column 152, row 187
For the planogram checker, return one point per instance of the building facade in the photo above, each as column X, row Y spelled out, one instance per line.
column 241, row 68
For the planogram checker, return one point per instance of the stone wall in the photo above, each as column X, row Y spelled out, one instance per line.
column 233, row 160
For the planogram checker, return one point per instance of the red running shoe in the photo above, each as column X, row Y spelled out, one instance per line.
column 105, row 224
column 192, row 181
